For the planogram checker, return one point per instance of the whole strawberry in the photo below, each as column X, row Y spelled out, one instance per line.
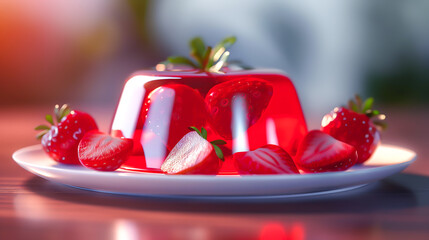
column 61, row 139
column 357, row 125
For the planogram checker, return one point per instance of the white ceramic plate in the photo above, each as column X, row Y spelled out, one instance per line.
column 387, row 160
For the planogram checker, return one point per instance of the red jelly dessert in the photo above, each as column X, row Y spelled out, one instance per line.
column 246, row 108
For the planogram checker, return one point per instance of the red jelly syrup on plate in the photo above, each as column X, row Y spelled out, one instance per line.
column 247, row 108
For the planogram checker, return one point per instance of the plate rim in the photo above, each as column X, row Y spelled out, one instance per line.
column 204, row 179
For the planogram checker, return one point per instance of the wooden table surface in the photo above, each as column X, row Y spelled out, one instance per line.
column 33, row 208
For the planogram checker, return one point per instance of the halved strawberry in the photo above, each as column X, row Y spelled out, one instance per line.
column 356, row 126
column 169, row 110
column 61, row 139
column 100, row 151
column 193, row 154
column 319, row 152
column 269, row 159
column 255, row 93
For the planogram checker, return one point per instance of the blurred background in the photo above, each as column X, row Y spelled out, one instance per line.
column 80, row 52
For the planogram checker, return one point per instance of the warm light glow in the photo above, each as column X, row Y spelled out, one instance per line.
column 129, row 106
column 160, row 67
column 125, row 230
column 239, row 124
column 220, row 63
column 271, row 132
column 198, row 233
column 395, row 155
column 30, row 206
column 273, row 231
column 218, row 54
column 297, row 232
column 328, row 118
column 276, row 231
column 160, row 123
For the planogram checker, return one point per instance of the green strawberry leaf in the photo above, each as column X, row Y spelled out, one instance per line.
column 372, row 113
column 228, row 41
column 42, row 127
column 380, row 124
column 352, row 106
column 57, row 112
column 220, row 63
column 197, row 48
column 367, row 105
column 41, row 134
column 181, row 60
column 197, row 58
column 196, row 130
column 218, row 142
column 219, row 152
column 48, row 118
column 358, row 103
column 222, row 46
column 204, row 133
column 64, row 111
column 206, row 58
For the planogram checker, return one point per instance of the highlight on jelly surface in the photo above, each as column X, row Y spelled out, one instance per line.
column 247, row 108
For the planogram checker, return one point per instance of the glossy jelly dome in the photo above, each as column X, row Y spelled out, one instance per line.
column 246, row 108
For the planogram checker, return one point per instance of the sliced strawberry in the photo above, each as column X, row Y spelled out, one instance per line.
column 355, row 126
column 193, row 154
column 100, row 151
column 269, row 159
column 319, row 152
column 60, row 141
column 255, row 93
